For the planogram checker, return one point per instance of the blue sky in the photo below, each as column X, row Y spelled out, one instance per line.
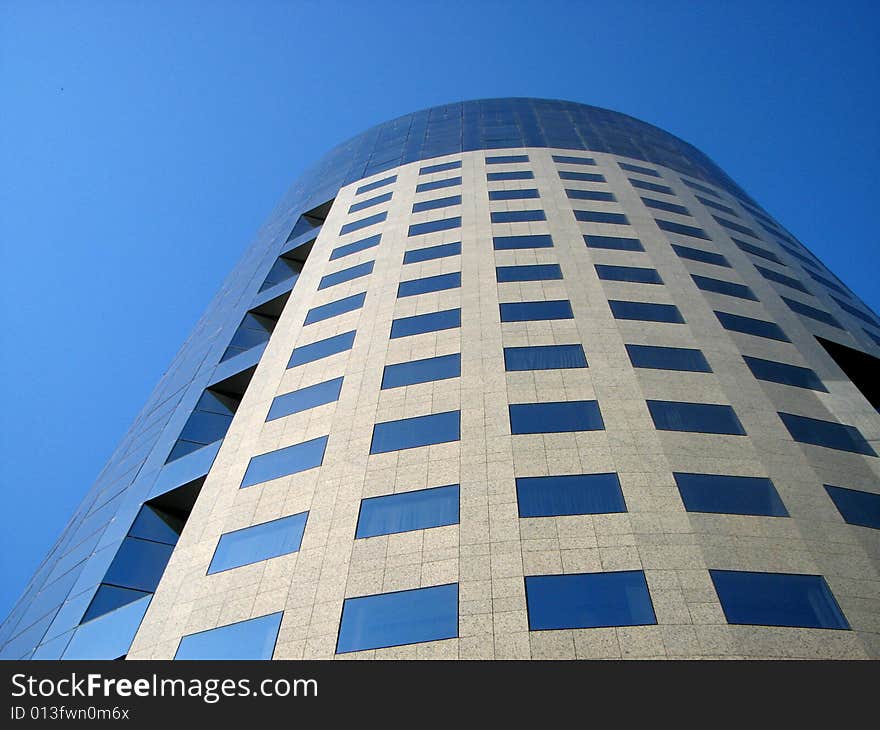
column 143, row 143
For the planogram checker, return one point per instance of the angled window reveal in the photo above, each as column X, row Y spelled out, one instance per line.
column 421, row 323
column 645, row 311
column 720, row 286
column 681, row 229
column 855, row 506
column 697, row 254
column 600, row 216
column 284, row 462
column 600, row 195
column 421, row 371
column 636, row 274
column 788, row 281
column 829, row 434
column 655, row 357
column 695, row 417
column 544, row 357
column 739, row 228
column 251, row 639
column 321, row 349
column 256, row 327
column 653, row 187
column 614, row 243
column 758, row 251
column 258, row 542
column 411, row 433
column 780, row 372
column 751, row 326
column 573, row 494
column 406, row 511
column 639, row 169
column 305, row 399
column 666, row 205
column 287, row 267
column 310, row 222
column 560, row 417
column 805, row 310
column 732, row 495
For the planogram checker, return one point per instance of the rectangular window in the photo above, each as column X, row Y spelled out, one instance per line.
column 731, row 226
column 411, row 433
column 788, row 281
column 432, row 252
column 251, row 639
column 639, row 169
column 560, row 417
column 694, row 417
column 436, row 204
column 777, row 599
column 305, row 399
column 645, row 311
column 531, row 272
column 719, row 286
column 507, row 243
column 758, row 251
column 284, row 462
column 421, row 371
column 259, row 542
column 340, row 277
column 363, row 223
column 575, row 494
column 591, row 195
column 682, row 230
column 510, row 175
column 806, row 310
column 445, row 224
column 582, row 176
column 664, row 205
column 524, row 194
column 704, row 257
column 321, row 349
column 369, row 203
column 334, row 309
column 780, row 372
column 702, row 188
column 729, row 495
column 829, row 434
column 350, row 248
column 544, row 357
column 751, row 326
column 599, row 216
column 668, row 358
column 637, row 274
column 408, row 511
column 442, row 167
column 614, row 243
column 588, row 600
column 429, row 284
column 535, row 311
column 857, row 313
column 518, row 216
column 653, row 187
column 395, row 619
column 827, row 282
column 421, row 323
column 506, row 159
column 717, row 206
column 449, row 182
column 567, row 160
column 855, row 506
column 376, row 185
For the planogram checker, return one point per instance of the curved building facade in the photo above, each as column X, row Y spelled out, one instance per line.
column 510, row 378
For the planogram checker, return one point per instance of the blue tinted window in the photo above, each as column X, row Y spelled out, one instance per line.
column 694, row 417
column 827, row 282
column 258, row 542
column 751, row 326
column 422, row 371
column 436, row 203
column 653, row 187
column 645, row 311
column 445, row 224
column 510, row 175
column 665, row 205
column 588, row 600
column 667, row 358
column 811, row 312
column 730, row 225
column 780, row 372
column 533, row 311
column 697, row 186
column 758, row 251
column 719, row 286
column 252, row 639
column 717, row 206
column 340, row 277
column 408, row 511
column 525, row 194
column 350, row 248
column 566, row 160
column 394, row 619
column 696, row 254
column 432, row 252
column 782, row 279
column 504, row 159
column 532, row 272
column 321, row 349
column 544, row 357
column 517, row 216
column 429, row 284
column 374, row 185
column 777, row 599
column 420, row 323
column 369, row 203
column 283, row 462
column 410, row 433
column 582, row 176
column 442, row 167
column 575, row 494
column 305, row 398
column 682, row 230
column 591, row 195
column 560, row 417
column 826, row 433
column 362, row 223
column 138, row 564
column 857, row 313
column 506, row 243
column 856, row 507
column 731, row 495
column 598, row 216
column 614, row 242
column 639, row 169
column 333, row 309
column 449, row 182
column 638, row 274
column 108, row 598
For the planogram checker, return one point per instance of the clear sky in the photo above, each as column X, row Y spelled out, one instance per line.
column 143, row 143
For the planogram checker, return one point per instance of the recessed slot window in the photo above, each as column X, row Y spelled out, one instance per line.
column 287, row 267
column 351, row 248
column 376, row 185
column 449, row 182
column 717, row 206
column 751, row 326
column 829, row 434
column 591, row 195
column 530, row 272
column 730, row 495
column 421, row 371
column 695, row 417
column 639, row 169
column 645, row 311
column 544, row 357
column 370, row 202
column 788, row 281
column 208, row 422
column 506, row 159
column 855, row 506
column 436, row 204
column 701, row 188
column 525, row 194
column 321, row 349
column 305, row 399
column 780, row 372
column 517, row 216
column 310, row 222
column 258, row 542
column 256, row 327
column 284, row 462
column 536, row 311
column 758, row 251
column 510, row 175
column 665, row 205
column 805, row 310
column 560, row 417
column 857, row 313
column 429, row 284
column 668, row 358
column 421, row 323
column 573, row 494
column 407, row 511
column 446, row 224
column 350, row 274
column 731, row 226
column 508, row 243
column 411, row 433
column 418, row 255
column 599, row 216
column 251, row 639
column 697, row 254
column 860, row 367
column 582, row 176
column 728, row 288
column 334, row 309
column 568, row 160
column 653, row 187
column 637, row 274
column 827, row 282
column 441, row 167
column 363, row 223
column 614, row 243
column 681, row 229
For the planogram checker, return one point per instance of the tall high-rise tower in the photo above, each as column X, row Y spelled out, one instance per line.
column 508, row 378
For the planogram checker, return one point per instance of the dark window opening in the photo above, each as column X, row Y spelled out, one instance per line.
column 287, row 266
column 860, row 367
column 256, row 327
column 311, row 220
